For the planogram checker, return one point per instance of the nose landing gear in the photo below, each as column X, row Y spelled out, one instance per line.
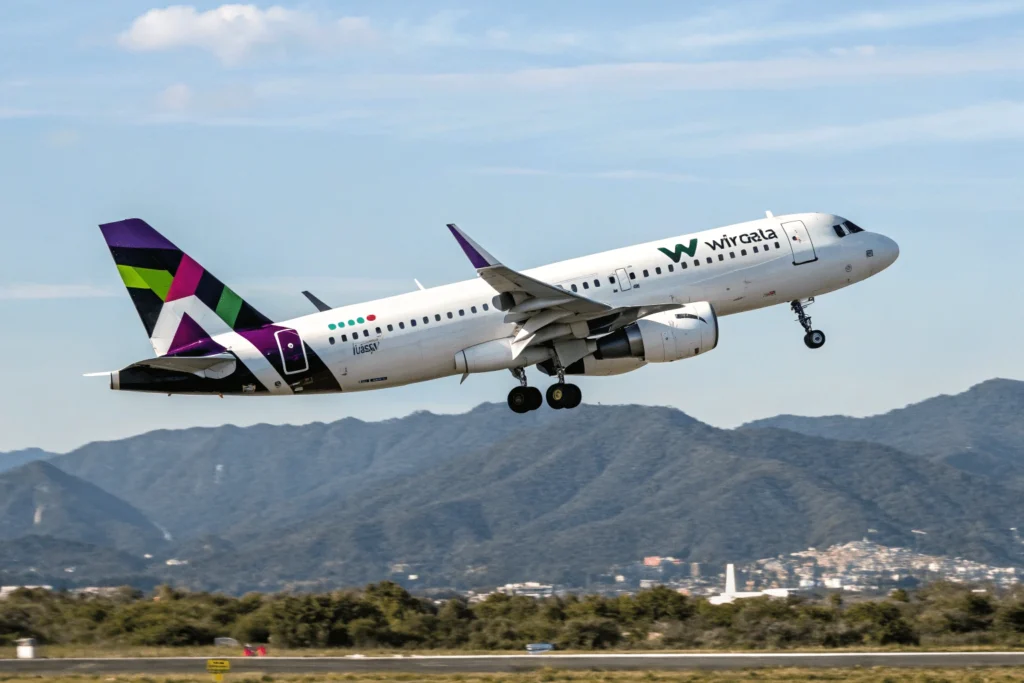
column 814, row 339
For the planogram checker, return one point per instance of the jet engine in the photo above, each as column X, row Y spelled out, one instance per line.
column 663, row 337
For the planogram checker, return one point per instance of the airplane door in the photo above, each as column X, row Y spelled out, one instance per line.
column 293, row 351
column 800, row 242
column 624, row 284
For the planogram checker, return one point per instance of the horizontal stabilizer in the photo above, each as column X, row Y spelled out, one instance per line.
column 193, row 364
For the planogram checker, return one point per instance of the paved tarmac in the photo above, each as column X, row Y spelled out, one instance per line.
column 512, row 663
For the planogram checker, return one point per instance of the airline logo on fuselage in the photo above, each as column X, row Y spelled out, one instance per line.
column 723, row 243
column 368, row 347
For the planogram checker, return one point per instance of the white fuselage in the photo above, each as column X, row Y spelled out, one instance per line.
column 415, row 337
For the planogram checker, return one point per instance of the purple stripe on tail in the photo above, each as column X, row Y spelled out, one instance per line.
column 134, row 233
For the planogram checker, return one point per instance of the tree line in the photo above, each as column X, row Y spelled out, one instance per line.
column 384, row 615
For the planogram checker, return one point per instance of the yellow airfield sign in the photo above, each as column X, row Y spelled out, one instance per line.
column 218, row 667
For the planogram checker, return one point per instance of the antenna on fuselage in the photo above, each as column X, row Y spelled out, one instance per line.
column 769, row 214
column 418, row 283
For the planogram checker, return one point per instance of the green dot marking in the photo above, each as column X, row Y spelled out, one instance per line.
column 360, row 321
column 351, row 322
column 332, row 326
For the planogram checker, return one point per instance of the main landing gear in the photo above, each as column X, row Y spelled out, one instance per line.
column 814, row 339
column 523, row 398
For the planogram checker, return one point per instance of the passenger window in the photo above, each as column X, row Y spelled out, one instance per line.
column 632, row 276
column 646, row 274
column 413, row 322
column 696, row 262
column 597, row 283
column 366, row 333
column 437, row 317
column 611, row 279
column 377, row 330
column 485, row 307
column 449, row 315
column 472, row 309
column 344, row 337
column 401, row 326
column 426, row 319
column 331, row 340
column 755, row 250
column 732, row 254
column 777, row 246
column 657, row 271
column 683, row 265
column 709, row 259
column 586, row 285
column 743, row 252
column 721, row 257
column 462, row 311
column 574, row 288
column 391, row 328
column 671, row 268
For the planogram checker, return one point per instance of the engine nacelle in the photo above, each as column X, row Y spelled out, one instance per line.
column 497, row 355
column 663, row 337
column 594, row 367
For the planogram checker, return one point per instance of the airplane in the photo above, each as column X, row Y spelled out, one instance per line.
column 599, row 315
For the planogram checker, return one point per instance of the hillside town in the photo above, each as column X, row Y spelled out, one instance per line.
column 857, row 566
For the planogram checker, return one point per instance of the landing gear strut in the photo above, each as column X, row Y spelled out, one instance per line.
column 814, row 339
column 523, row 398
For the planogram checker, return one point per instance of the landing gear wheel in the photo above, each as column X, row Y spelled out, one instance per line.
column 564, row 396
column 520, row 400
column 814, row 339
column 536, row 398
column 573, row 396
column 556, row 396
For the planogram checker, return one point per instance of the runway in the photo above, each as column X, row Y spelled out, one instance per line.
column 443, row 664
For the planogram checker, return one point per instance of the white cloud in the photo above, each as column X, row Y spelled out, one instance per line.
column 855, row 66
column 979, row 123
column 38, row 290
column 675, row 36
column 175, row 98
column 232, row 32
column 618, row 174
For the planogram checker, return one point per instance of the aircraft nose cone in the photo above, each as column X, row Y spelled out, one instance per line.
column 888, row 251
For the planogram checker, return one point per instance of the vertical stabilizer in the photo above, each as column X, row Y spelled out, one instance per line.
column 181, row 304
column 730, row 579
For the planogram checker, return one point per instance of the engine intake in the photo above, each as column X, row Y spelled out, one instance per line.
column 664, row 337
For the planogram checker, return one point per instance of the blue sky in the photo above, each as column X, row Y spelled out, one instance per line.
column 324, row 145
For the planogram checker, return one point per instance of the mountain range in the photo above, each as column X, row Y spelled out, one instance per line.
column 487, row 497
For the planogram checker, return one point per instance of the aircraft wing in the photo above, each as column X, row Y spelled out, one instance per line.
column 545, row 311
column 503, row 279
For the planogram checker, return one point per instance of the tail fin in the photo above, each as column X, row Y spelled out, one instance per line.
column 181, row 304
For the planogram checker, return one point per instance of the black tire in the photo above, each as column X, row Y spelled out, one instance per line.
column 519, row 400
column 556, row 396
column 814, row 339
column 573, row 396
column 536, row 398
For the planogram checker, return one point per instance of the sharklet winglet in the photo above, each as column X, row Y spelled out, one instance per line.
column 478, row 256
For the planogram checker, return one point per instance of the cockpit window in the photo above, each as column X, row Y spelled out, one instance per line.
column 852, row 227
column 839, row 231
